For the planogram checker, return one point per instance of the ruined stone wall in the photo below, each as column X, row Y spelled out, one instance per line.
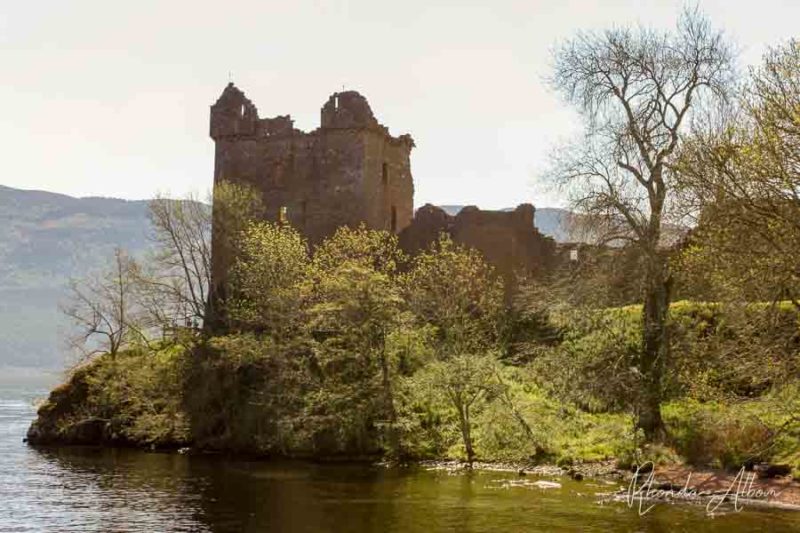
column 348, row 171
column 507, row 239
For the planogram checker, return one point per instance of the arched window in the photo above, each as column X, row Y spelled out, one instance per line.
column 385, row 174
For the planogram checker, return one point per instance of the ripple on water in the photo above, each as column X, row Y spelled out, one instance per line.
column 77, row 490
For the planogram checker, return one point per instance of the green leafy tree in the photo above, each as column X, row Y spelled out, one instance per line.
column 269, row 288
column 234, row 207
column 739, row 175
column 376, row 250
column 463, row 382
column 451, row 288
column 357, row 316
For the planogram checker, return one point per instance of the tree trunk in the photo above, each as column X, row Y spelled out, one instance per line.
column 463, row 415
column 506, row 399
column 655, row 346
column 388, row 398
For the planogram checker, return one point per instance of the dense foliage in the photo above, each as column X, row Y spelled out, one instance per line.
column 343, row 352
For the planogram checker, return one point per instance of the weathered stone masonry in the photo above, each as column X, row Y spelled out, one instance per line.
column 348, row 171
column 507, row 239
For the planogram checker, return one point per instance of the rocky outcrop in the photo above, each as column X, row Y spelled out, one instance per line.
column 90, row 431
column 59, row 419
column 132, row 399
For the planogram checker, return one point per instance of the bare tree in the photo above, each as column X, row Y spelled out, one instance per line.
column 634, row 90
column 171, row 287
column 104, row 311
column 175, row 286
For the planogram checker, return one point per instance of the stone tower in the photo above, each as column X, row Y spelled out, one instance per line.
column 348, row 171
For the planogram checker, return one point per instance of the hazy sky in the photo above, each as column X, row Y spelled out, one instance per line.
column 111, row 98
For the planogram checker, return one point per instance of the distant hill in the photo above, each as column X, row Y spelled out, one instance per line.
column 45, row 239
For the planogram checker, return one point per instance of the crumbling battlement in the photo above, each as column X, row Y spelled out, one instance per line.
column 234, row 116
column 348, row 110
column 507, row 239
column 347, row 171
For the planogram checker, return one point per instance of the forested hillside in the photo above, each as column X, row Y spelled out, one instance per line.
column 45, row 239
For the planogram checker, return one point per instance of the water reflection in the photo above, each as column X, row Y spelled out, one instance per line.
column 122, row 490
column 108, row 490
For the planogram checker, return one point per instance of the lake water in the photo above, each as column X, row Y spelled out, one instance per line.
column 83, row 490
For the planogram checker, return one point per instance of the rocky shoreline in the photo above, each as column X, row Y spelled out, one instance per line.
column 607, row 469
column 59, row 424
column 665, row 484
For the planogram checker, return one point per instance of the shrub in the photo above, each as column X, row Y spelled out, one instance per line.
column 729, row 434
column 137, row 396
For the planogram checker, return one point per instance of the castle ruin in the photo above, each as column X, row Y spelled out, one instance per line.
column 351, row 170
